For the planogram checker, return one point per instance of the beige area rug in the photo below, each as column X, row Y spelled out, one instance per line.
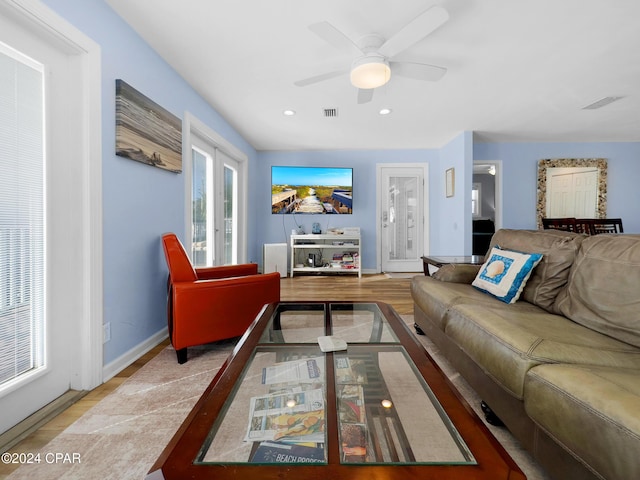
column 122, row 436
column 403, row 274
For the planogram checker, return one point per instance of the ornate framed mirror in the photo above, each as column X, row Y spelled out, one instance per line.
column 597, row 190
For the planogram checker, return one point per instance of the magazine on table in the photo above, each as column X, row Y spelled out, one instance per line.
column 306, row 370
column 354, row 442
column 277, row 452
column 292, row 416
column 350, row 370
column 351, row 408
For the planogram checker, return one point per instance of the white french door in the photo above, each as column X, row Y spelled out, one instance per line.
column 401, row 208
column 215, row 206
column 50, row 211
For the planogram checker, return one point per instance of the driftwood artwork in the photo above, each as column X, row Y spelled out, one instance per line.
column 145, row 131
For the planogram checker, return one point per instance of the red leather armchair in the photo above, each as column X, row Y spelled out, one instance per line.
column 209, row 304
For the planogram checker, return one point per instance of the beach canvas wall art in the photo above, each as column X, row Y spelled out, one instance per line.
column 145, row 131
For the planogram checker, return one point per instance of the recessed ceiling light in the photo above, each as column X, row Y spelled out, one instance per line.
column 385, row 111
column 288, row 113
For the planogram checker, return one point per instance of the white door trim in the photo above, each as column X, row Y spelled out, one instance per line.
column 73, row 42
column 425, row 208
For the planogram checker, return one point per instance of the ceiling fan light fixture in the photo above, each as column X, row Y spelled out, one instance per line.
column 370, row 71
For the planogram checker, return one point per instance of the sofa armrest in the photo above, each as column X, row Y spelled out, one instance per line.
column 457, row 273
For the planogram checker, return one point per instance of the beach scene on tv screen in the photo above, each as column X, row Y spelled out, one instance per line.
column 311, row 190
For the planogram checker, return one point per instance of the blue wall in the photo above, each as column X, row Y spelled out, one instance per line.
column 520, row 173
column 451, row 216
column 139, row 202
column 277, row 228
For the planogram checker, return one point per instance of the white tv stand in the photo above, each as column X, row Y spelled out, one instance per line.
column 339, row 253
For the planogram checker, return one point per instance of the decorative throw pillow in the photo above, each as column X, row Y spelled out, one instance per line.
column 505, row 273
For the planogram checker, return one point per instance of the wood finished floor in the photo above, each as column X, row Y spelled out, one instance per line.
column 394, row 291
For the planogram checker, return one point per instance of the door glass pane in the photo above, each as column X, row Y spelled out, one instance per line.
column 201, row 251
column 22, row 216
column 230, row 215
column 402, row 218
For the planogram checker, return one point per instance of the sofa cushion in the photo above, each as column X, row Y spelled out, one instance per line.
column 604, row 286
column 508, row 340
column 505, row 273
column 594, row 412
column 435, row 297
column 558, row 251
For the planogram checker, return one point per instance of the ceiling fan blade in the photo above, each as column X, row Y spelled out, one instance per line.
column 414, row 31
column 365, row 95
column 319, row 78
column 418, row 71
column 333, row 36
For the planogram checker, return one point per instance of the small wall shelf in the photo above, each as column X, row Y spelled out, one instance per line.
column 336, row 253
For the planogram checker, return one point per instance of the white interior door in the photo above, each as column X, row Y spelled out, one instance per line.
column 585, row 188
column 572, row 192
column 45, row 307
column 562, row 199
column 402, row 217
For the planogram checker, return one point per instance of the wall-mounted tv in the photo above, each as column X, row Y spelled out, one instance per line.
column 311, row 190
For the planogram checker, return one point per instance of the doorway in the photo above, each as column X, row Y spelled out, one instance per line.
column 216, row 176
column 214, row 206
column 401, row 208
column 486, row 203
column 61, row 93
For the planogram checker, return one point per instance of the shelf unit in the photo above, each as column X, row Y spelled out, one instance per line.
column 339, row 253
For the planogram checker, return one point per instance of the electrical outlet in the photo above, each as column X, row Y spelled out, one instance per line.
column 106, row 332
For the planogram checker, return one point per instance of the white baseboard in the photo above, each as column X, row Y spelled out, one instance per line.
column 123, row 361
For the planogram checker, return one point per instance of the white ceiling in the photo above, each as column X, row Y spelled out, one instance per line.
column 518, row 70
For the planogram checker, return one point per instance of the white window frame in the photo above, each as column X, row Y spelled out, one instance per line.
column 23, row 261
column 476, row 204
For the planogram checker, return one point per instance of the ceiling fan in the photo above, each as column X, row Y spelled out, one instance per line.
column 374, row 55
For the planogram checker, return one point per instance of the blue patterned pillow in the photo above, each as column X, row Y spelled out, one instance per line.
column 505, row 273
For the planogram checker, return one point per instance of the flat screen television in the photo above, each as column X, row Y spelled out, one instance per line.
column 305, row 190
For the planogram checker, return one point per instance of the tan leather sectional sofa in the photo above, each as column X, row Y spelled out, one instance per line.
column 561, row 366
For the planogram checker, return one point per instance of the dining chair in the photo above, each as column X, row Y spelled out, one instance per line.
column 567, row 223
column 606, row 225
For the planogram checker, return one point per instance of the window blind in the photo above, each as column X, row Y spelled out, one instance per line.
column 22, row 216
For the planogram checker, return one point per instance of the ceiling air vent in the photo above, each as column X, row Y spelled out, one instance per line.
column 330, row 112
column 603, row 102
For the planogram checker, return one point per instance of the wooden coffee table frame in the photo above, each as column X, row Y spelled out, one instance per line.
column 177, row 460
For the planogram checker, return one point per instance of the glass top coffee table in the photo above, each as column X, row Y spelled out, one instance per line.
column 282, row 408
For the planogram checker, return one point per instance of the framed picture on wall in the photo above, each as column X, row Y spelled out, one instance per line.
column 145, row 131
column 450, row 182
